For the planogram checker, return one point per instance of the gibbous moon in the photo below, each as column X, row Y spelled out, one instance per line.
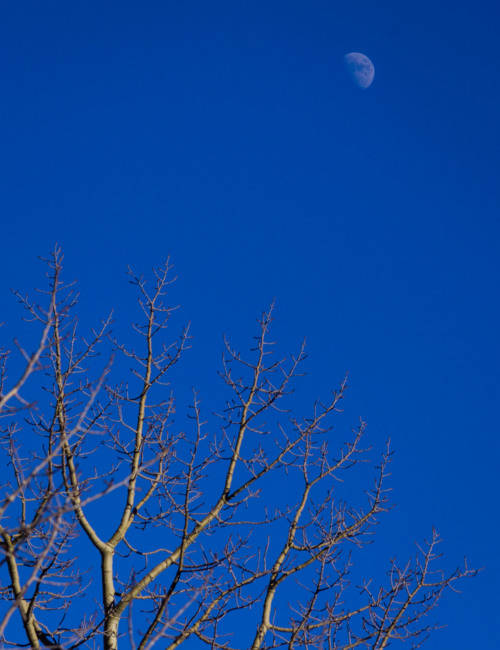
column 360, row 68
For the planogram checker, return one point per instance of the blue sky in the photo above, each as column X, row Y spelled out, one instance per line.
column 229, row 136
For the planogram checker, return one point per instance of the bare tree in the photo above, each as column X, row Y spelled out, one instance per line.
column 118, row 524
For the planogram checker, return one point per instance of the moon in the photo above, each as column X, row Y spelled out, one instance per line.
column 360, row 68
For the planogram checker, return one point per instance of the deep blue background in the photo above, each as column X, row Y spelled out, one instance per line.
column 229, row 135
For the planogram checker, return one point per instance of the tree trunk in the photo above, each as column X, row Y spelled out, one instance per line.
column 108, row 596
